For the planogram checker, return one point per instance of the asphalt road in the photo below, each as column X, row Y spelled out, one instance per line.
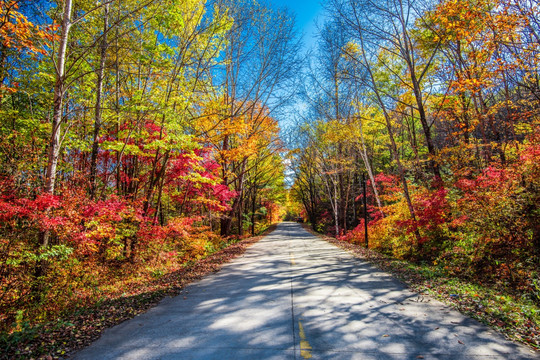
column 295, row 296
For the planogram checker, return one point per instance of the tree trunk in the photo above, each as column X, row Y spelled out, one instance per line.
column 426, row 128
column 393, row 145
column 253, row 204
column 59, row 89
column 98, row 110
column 54, row 142
column 407, row 50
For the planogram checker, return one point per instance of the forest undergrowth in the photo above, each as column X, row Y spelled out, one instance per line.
column 78, row 326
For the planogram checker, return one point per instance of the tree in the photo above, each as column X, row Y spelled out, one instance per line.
column 260, row 65
column 385, row 31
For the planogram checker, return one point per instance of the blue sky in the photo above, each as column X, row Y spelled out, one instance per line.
column 306, row 14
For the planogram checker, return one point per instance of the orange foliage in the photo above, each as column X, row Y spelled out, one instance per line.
column 16, row 32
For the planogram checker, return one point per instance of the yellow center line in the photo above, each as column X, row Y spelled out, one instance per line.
column 305, row 347
column 293, row 262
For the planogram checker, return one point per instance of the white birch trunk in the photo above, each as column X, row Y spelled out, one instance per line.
column 59, row 89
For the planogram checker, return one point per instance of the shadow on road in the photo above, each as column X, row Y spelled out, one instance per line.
column 292, row 296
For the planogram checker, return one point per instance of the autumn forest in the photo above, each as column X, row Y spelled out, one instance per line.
column 138, row 138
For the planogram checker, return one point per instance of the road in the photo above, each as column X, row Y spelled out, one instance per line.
column 295, row 296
